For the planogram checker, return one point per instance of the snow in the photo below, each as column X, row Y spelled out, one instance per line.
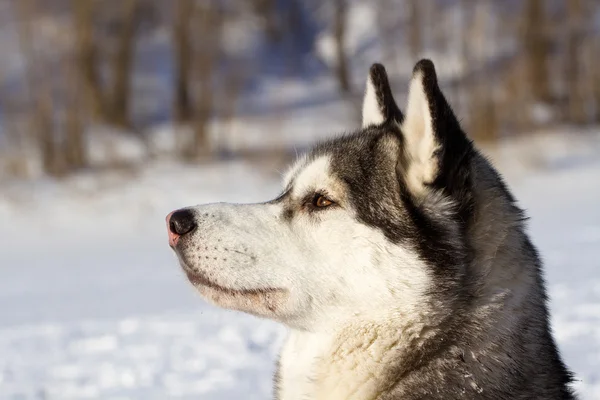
column 94, row 306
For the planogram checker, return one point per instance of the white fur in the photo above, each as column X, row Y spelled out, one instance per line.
column 315, row 177
column 419, row 135
column 349, row 362
column 344, row 355
column 293, row 170
column 349, row 296
column 371, row 111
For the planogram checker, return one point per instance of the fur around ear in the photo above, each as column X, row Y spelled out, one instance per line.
column 379, row 105
column 434, row 142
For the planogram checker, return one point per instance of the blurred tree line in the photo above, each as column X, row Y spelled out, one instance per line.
column 517, row 65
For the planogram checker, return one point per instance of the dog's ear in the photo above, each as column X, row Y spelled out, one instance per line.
column 379, row 105
column 434, row 143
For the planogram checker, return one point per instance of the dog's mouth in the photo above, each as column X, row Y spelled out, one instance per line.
column 199, row 279
column 265, row 302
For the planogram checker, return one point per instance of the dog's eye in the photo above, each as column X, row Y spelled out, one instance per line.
column 321, row 201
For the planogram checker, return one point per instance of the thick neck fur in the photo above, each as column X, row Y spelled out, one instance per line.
column 494, row 343
column 348, row 363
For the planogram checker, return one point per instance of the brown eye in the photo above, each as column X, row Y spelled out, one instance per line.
column 321, row 201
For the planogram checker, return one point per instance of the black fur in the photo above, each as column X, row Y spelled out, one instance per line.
column 383, row 92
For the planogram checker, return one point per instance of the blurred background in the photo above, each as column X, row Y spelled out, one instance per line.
column 115, row 112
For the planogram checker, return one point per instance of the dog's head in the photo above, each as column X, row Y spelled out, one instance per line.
column 365, row 226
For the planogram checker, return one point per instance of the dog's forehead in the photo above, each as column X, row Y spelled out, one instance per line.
column 349, row 157
column 310, row 173
column 293, row 170
column 315, row 164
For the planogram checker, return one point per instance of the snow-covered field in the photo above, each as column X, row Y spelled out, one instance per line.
column 93, row 305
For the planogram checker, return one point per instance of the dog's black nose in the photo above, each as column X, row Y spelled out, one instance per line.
column 181, row 222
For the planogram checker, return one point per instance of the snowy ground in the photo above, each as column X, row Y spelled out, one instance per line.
column 93, row 305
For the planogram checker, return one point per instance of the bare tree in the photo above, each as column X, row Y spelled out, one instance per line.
column 87, row 58
column 182, row 107
column 388, row 24
column 536, row 49
column 39, row 93
column 415, row 38
column 208, row 22
column 267, row 11
column 575, row 39
column 438, row 21
column 122, row 62
column 73, row 147
column 482, row 104
column 339, row 33
column 596, row 77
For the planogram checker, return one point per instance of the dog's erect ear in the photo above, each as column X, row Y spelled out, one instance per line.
column 434, row 143
column 379, row 105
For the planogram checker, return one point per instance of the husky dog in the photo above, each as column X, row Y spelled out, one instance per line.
column 397, row 258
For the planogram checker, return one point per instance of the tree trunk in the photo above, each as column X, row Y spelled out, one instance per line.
column 121, row 68
column 74, row 146
column 342, row 68
column 75, row 151
column 39, row 93
column 436, row 15
column 267, row 11
column 536, row 49
column 574, row 20
column 87, row 59
column 596, row 77
column 415, row 39
column 208, row 21
column 482, row 101
column 182, row 108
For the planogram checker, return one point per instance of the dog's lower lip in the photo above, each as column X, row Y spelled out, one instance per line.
column 197, row 278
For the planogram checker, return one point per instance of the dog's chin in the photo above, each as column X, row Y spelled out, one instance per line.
column 263, row 302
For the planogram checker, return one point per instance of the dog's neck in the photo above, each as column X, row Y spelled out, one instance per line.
column 347, row 363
